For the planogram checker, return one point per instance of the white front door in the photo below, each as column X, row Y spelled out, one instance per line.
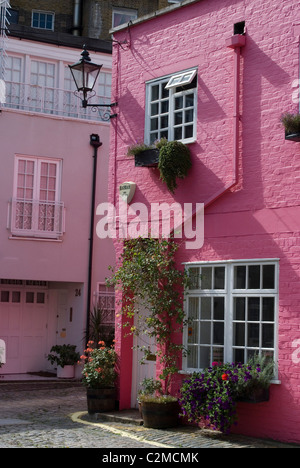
column 145, row 370
column 23, row 328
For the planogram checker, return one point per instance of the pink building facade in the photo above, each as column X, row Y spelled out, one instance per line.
column 240, row 61
column 45, row 199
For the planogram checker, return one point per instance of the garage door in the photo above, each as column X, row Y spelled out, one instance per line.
column 23, row 322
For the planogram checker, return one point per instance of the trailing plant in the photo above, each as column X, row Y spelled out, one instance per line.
column 150, row 281
column 212, row 394
column 291, row 123
column 174, row 163
column 63, row 355
column 174, row 160
column 100, row 365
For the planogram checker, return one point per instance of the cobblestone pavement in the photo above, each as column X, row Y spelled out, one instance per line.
column 51, row 415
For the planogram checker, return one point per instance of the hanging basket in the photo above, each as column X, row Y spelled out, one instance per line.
column 147, row 158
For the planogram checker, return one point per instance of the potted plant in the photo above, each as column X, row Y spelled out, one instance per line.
column 99, row 376
column 172, row 158
column 148, row 272
column 158, row 411
column 211, row 396
column 291, row 123
column 65, row 356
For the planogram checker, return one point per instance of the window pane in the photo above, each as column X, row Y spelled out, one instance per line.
column 254, row 277
column 239, row 308
column 16, row 296
column 253, row 334
column 154, row 93
column 268, row 276
column 204, row 357
column 192, row 360
column 154, row 108
column 29, row 297
column 40, row 298
column 253, row 309
column 238, row 334
column 219, row 308
column 164, row 121
column 206, row 278
column 239, row 355
column 268, row 309
column 189, row 100
column 178, row 118
column 154, row 124
column 4, row 296
column 218, row 355
column 218, row 337
column 193, row 333
column 179, row 102
column 205, row 333
column 194, row 308
column 240, row 277
column 267, row 335
column 188, row 131
column 219, row 277
column 164, row 107
column 178, row 133
column 194, row 277
column 205, row 308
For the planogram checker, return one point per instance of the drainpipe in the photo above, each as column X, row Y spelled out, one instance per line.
column 76, row 30
column 95, row 143
column 235, row 42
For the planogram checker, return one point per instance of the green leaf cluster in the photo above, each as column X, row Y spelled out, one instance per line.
column 150, row 280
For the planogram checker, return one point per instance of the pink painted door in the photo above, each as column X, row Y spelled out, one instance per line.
column 23, row 327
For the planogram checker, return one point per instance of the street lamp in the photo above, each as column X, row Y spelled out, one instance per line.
column 85, row 74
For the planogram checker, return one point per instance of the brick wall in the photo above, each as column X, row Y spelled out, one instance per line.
column 97, row 15
column 260, row 218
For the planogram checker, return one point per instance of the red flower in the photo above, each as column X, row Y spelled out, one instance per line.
column 224, row 377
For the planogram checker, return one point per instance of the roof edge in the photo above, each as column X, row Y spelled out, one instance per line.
column 152, row 15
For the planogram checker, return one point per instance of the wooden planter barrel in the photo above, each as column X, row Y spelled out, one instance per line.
column 100, row 400
column 160, row 415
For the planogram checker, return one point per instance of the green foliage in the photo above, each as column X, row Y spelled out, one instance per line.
column 100, row 366
column 174, row 163
column 63, row 355
column 291, row 123
column 99, row 329
column 174, row 160
column 150, row 281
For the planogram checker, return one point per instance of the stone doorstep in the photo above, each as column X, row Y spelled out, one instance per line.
column 124, row 416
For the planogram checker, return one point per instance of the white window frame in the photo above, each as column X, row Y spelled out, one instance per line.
column 130, row 12
column 55, row 207
column 41, row 12
column 174, row 94
column 230, row 293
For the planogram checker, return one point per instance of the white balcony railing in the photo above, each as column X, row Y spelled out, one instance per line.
column 35, row 218
column 53, row 101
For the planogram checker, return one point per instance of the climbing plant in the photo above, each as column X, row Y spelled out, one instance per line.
column 149, row 278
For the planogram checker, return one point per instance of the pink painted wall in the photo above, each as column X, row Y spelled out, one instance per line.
column 260, row 217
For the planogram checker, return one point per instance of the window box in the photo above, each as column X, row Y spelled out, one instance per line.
column 147, row 158
column 291, row 123
column 292, row 136
column 258, row 396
